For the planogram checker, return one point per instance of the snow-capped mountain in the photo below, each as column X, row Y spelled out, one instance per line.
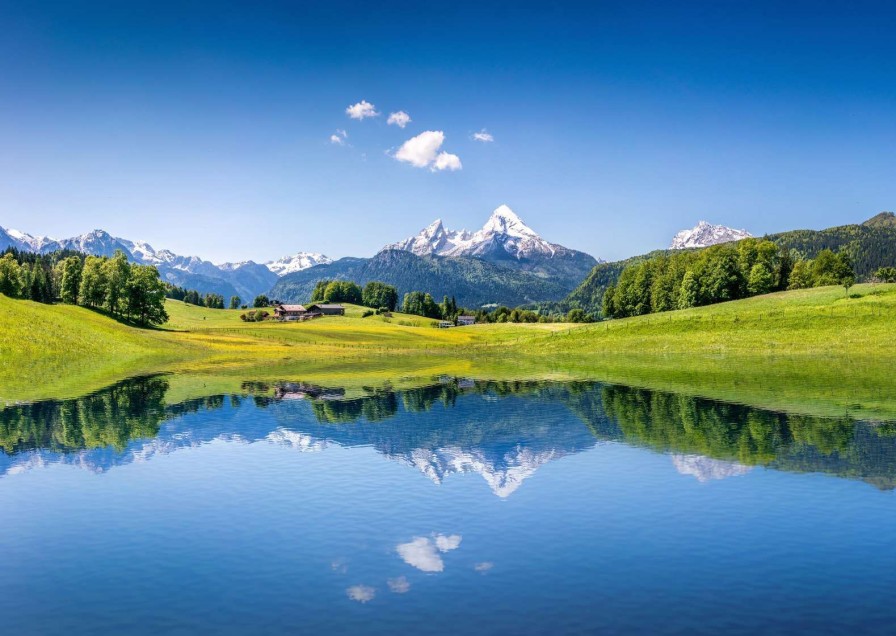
column 503, row 235
column 705, row 234
column 297, row 262
column 246, row 279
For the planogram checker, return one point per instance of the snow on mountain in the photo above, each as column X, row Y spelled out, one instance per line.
column 705, row 234
column 504, row 234
column 705, row 469
column 23, row 241
column 297, row 262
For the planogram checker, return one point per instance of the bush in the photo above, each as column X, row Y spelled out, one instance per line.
column 367, row 313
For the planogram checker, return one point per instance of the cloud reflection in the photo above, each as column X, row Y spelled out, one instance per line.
column 423, row 552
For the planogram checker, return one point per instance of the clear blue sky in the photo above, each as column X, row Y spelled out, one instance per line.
column 204, row 127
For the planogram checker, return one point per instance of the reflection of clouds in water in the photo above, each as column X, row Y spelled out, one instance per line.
column 339, row 565
column 361, row 593
column 707, row 468
column 484, row 567
column 399, row 585
column 423, row 552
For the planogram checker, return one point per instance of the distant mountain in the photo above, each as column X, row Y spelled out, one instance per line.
column 871, row 245
column 297, row 262
column 705, row 234
column 472, row 281
column 247, row 279
column 882, row 220
column 506, row 240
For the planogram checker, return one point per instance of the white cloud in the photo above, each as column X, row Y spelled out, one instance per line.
column 361, row 110
column 420, row 151
column 361, row 593
column 400, row 119
column 339, row 137
column 447, row 161
column 483, row 567
column 483, row 136
column 399, row 585
column 423, row 150
column 423, row 553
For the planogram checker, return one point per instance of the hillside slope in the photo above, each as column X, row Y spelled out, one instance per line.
column 472, row 281
column 871, row 245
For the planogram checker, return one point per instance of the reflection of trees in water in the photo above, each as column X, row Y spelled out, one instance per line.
column 680, row 423
column 670, row 422
column 112, row 417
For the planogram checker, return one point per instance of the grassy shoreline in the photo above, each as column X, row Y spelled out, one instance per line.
column 813, row 351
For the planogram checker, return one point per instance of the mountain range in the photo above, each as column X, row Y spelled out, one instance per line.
column 504, row 262
column 246, row 279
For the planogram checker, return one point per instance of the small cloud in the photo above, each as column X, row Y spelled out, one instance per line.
column 423, row 151
column 400, row 119
column 338, row 137
column 447, row 161
column 361, row 593
column 361, row 110
column 483, row 567
column 483, row 136
column 339, row 565
column 399, row 585
column 423, row 552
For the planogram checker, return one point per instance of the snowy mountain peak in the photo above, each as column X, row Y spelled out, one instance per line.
column 503, row 235
column 297, row 262
column 705, row 234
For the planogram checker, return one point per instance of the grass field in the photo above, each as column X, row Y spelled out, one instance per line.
column 810, row 350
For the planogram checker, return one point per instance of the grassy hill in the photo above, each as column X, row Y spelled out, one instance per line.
column 813, row 351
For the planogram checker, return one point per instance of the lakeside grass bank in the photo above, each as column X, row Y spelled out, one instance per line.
column 812, row 351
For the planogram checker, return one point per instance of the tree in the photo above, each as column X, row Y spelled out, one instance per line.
column 319, row 288
column 761, row 279
column 118, row 271
column 235, row 302
column 687, row 297
column 342, row 291
column 800, row 275
column 145, row 295
column 824, row 269
column 70, row 279
column 420, row 304
column 377, row 295
column 886, row 274
column 10, row 276
column 261, row 301
column 93, row 282
column 843, row 271
column 608, row 303
column 577, row 315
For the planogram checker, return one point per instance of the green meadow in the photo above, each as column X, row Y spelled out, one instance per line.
column 815, row 351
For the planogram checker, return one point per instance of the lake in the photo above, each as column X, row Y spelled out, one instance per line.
column 456, row 507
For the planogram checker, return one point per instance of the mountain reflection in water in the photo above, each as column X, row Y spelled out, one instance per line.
column 503, row 431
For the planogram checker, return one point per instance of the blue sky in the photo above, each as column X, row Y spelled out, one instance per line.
column 204, row 127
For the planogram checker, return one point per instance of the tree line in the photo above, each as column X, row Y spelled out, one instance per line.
column 720, row 273
column 125, row 290
column 193, row 297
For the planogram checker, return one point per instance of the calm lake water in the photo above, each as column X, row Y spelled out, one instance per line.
column 458, row 508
